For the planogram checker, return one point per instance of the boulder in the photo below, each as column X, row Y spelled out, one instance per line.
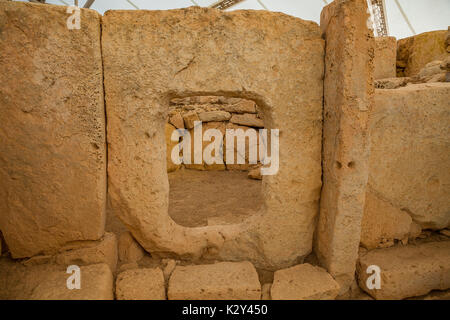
column 219, row 281
column 53, row 129
column 141, row 284
column 304, row 282
column 407, row 271
column 410, row 152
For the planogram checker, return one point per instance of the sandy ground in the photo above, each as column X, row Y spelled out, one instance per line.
column 220, row 197
column 196, row 197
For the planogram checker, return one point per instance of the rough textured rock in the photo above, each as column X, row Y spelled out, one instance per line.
column 129, row 249
column 247, row 119
column 383, row 223
column 255, row 174
column 348, row 90
column 141, row 284
column 82, row 253
column 410, row 151
column 415, row 52
column 190, row 118
column 53, row 153
column 392, row 83
column 177, row 121
column 265, row 291
column 171, row 166
column 201, row 51
column 242, row 106
column 385, row 58
column 220, row 281
column 214, row 116
column 304, row 282
column 96, row 284
column 409, row 271
column 91, row 252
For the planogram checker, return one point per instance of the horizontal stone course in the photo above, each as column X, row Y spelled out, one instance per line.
column 219, row 281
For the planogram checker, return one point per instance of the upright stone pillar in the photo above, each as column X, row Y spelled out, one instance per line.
column 348, row 98
column 52, row 128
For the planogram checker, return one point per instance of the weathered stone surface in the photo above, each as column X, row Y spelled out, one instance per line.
column 91, row 252
column 174, row 61
column 214, row 116
column 81, row 253
column 220, row 281
column 392, row 83
column 385, row 58
column 383, row 223
column 129, row 249
column 415, row 52
column 141, row 284
column 304, row 282
column 204, row 166
column 96, row 284
column 408, row 271
column 410, row 152
column 177, row 121
column 171, row 166
column 242, row 106
column 190, row 118
column 255, row 174
column 53, row 153
column 247, row 119
column 265, row 291
column 348, row 90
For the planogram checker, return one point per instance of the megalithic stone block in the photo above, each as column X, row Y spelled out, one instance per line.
column 52, row 128
column 348, row 99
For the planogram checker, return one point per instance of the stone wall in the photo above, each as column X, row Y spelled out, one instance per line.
column 409, row 176
column 415, row 52
column 385, row 58
column 202, row 64
column 215, row 112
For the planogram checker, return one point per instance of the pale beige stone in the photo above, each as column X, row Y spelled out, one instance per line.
column 141, row 284
column 129, row 249
column 53, row 177
column 90, row 252
column 96, row 284
column 415, row 52
column 174, row 61
column 348, row 90
column 171, row 166
column 242, row 106
column 190, row 118
column 385, row 58
column 304, row 282
column 407, row 271
column 177, row 121
column 265, row 291
column 219, row 281
column 247, row 119
column 168, row 269
column 255, row 174
column 214, row 116
column 383, row 223
column 410, row 151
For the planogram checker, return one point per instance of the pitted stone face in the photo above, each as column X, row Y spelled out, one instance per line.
column 151, row 57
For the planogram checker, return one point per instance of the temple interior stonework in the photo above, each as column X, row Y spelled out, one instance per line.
column 202, row 154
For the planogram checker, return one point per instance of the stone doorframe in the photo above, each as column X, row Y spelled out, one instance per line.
column 276, row 60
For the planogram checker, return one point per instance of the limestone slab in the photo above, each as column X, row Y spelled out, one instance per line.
column 53, row 150
column 304, row 282
column 220, row 281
